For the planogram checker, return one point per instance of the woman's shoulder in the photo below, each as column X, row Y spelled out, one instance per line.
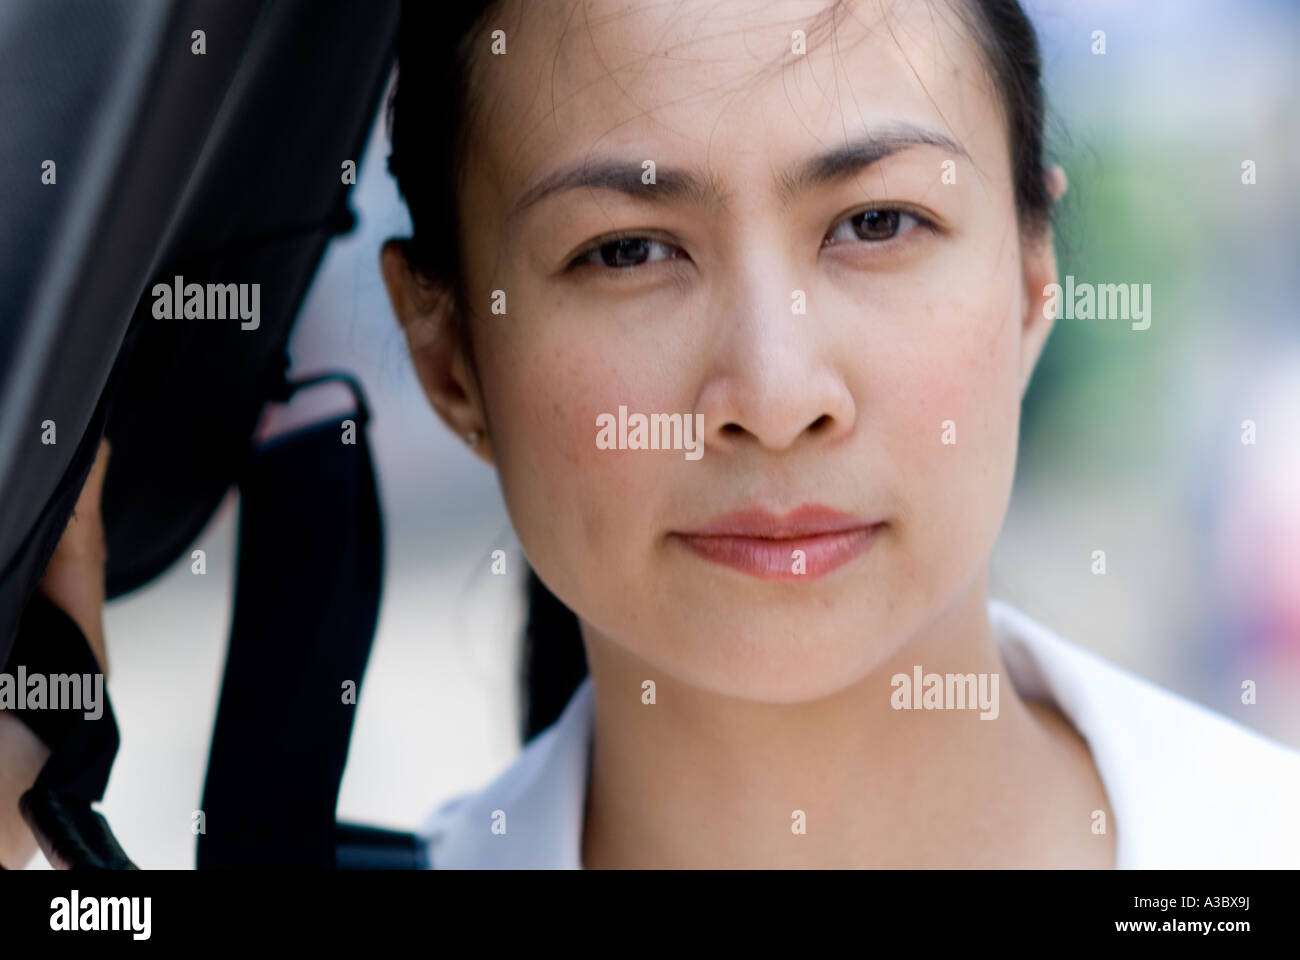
column 1189, row 787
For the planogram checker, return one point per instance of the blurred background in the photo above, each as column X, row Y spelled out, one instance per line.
column 1131, row 443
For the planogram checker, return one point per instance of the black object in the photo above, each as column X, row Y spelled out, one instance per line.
column 555, row 662
column 220, row 167
column 372, row 848
column 306, row 602
column 109, row 92
column 82, row 749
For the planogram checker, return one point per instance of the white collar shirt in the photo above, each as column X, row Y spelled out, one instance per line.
column 1188, row 788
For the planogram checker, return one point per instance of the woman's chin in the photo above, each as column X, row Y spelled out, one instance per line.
column 773, row 659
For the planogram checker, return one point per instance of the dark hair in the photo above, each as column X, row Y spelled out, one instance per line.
column 431, row 115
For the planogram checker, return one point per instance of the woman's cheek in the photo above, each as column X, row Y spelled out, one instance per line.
column 957, row 439
column 577, row 490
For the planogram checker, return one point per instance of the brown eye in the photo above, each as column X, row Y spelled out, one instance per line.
column 624, row 253
column 875, row 226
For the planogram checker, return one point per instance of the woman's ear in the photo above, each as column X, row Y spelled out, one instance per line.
column 1039, row 276
column 427, row 314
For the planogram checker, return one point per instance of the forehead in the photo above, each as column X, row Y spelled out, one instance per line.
column 715, row 84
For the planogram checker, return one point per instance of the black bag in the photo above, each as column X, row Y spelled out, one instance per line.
column 221, row 166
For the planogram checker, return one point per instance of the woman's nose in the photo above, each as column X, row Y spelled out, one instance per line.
column 775, row 375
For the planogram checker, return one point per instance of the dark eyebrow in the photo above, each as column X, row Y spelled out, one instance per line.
column 857, row 155
column 672, row 184
column 624, row 176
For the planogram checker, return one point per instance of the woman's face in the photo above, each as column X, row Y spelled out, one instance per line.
column 893, row 396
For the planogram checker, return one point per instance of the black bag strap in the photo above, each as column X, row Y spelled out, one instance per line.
column 307, row 597
column 358, row 847
column 308, row 582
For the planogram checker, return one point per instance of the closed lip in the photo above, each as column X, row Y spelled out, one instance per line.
column 803, row 545
column 809, row 520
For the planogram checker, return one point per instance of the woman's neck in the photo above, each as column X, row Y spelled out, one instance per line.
column 870, row 774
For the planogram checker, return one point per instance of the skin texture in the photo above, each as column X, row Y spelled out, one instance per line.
column 771, row 697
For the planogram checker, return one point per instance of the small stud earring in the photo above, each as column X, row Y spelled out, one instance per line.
column 472, row 438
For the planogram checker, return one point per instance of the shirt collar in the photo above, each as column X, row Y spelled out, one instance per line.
column 531, row 816
column 1150, row 747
